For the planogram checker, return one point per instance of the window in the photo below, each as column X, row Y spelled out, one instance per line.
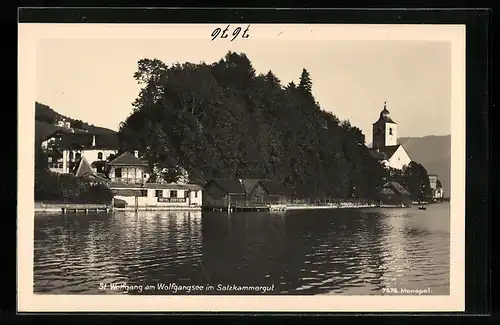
column 118, row 172
column 99, row 155
column 71, row 155
column 186, row 193
column 390, row 131
column 144, row 193
column 173, row 193
column 196, row 194
column 159, row 193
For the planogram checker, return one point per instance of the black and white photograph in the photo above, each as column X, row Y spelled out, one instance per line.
column 242, row 161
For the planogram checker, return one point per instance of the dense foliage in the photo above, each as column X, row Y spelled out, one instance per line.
column 223, row 120
column 55, row 187
column 415, row 179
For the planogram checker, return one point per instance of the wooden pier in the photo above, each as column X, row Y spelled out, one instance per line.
column 250, row 208
column 85, row 208
column 61, row 207
column 247, row 208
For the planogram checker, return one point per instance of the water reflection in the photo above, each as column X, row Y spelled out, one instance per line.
column 299, row 252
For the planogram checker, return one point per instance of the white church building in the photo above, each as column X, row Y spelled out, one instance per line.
column 385, row 146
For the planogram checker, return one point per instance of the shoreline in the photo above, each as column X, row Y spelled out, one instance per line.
column 329, row 207
column 79, row 208
column 153, row 208
column 44, row 208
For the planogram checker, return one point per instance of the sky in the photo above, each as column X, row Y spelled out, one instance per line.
column 92, row 79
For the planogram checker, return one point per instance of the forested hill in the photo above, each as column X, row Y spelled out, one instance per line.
column 434, row 153
column 47, row 116
column 224, row 120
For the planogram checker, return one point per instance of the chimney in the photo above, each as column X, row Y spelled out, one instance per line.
column 93, row 140
column 136, row 153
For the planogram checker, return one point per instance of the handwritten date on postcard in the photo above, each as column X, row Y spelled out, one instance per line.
column 235, row 32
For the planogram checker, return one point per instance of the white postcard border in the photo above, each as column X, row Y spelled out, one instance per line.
column 29, row 34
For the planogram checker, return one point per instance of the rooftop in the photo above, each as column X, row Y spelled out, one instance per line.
column 127, row 159
column 84, row 170
column 249, row 183
column 246, row 185
column 385, row 116
column 231, row 186
column 159, row 186
column 85, row 140
column 397, row 187
column 275, row 188
column 385, row 152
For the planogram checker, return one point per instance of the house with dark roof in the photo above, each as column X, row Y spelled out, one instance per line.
column 394, row 194
column 128, row 168
column 86, row 172
column 385, row 146
column 66, row 149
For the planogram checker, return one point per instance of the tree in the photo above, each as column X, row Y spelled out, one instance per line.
column 305, row 81
column 41, row 158
column 438, row 184
column 417, row 181
column 77, row 124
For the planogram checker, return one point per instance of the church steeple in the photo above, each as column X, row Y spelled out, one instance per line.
column 384, row 130
column 385, row 115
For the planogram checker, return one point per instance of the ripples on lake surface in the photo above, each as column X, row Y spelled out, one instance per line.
column 300, row 252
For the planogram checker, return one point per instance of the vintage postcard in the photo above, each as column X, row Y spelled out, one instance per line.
column 241, row 167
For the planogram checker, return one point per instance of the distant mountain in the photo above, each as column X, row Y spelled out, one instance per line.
column 46, row 119
column 45, row 114
column 434, row 153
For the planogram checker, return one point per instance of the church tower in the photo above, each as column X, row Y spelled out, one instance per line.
column 385, row 130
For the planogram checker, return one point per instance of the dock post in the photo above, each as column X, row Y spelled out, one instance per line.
column 136, row 203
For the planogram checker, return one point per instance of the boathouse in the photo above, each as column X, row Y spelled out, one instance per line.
column 247, row 193
column 220, row 193
column 394, row 194
column 268, row 192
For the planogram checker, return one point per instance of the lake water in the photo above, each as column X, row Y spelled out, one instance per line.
column 342, row 251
